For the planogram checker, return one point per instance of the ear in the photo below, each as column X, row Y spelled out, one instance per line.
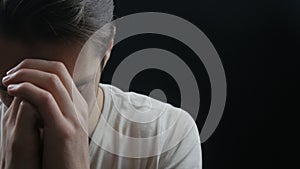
column 107, row 54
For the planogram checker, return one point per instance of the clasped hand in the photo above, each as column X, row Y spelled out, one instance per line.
column 45, row 125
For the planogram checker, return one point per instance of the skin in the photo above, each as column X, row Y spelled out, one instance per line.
column 40, row 127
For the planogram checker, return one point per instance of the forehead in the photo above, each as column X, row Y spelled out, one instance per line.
column 14, row 51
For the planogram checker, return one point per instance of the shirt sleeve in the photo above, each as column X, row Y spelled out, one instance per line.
column 186, row 154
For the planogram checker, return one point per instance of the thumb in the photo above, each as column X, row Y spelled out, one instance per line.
column 27, row 118
column 27, row 132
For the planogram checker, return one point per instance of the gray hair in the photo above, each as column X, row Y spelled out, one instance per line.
column 56, row 19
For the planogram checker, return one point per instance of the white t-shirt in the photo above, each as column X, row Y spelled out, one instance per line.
column 137, row 132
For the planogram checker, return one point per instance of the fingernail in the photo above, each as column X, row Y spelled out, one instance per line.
column 11, row 87
column 6, row 78
column 10, row 71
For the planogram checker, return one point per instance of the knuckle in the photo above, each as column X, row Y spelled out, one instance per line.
column 46, row 97
column 23, row 86
column 19, row 74
column 77, row 125
column 68, row 133
column 59, row 66
column 54, row 80
column 25, row 63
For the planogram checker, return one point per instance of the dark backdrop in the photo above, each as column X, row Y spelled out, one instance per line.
column 257, row 42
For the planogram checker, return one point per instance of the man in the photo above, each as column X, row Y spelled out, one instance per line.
column 53, row 103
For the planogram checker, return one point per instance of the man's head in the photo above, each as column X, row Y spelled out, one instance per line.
column 52, row 30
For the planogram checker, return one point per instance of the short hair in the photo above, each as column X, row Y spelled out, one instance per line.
column 54, row 19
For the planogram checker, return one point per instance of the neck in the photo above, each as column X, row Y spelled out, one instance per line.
column 96, row 112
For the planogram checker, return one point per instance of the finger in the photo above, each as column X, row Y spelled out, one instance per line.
column 27, row 117
column 42, row 100
column 53, row 67
column 12, row 111
column 47, row 81
column 27, row 132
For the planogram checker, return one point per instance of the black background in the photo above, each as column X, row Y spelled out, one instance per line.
column 258, row 44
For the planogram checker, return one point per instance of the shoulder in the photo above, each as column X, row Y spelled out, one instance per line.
column 138, row 108
column 136, row 127
column 140, row 116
